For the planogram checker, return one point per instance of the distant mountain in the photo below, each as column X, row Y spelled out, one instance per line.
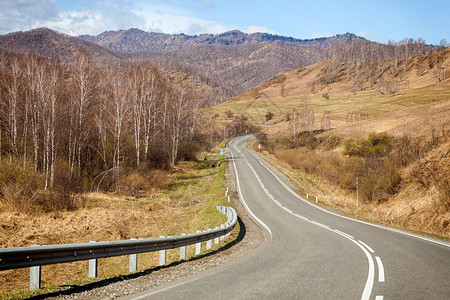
column 47, row 42
column 230, row 63
column 238, row 60
column 134, row 40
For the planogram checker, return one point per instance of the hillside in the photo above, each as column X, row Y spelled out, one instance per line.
column 392, row 132
column 307, row 88
column 235, row 60
column 47, row 42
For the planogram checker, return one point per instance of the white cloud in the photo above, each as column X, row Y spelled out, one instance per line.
column 21, row 14
column 256, row 28
column 174, row 21
column 105, row 15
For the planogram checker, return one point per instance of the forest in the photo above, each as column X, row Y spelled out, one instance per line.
column 70, row 126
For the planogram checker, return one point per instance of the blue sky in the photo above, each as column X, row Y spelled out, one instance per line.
column 380, row 21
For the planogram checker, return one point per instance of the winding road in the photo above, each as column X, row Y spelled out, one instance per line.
column 313, row 253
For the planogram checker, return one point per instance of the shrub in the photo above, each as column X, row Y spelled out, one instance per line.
column 229, row 113
column 144, row 181
column 19, row 186
column 189, row 150
column 374, row 145
column 269, row 116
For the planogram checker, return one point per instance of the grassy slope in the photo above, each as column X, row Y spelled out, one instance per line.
column 421, row 104
column 188, row 204
column 286, row 92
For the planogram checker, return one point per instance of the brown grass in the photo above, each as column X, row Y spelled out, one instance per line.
column 187, row 205
column 413, row 90
column 419, row 203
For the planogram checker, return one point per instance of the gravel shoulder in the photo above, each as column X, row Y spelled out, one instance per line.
column 245, row 238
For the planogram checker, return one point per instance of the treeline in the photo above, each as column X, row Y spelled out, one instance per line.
column 86, row 118
column 367, row 64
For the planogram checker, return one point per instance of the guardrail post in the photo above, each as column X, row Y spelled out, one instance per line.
column 133, row 261
column 222, row 236
column 208, row 243
column 183, row 250
column 162, row 255
column 198, row 246
column 35, row 278
column 93, row 266
column 216, row 240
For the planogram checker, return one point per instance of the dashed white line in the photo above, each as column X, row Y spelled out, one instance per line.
column 346, row 234
column 348, row 218
column 380, row 269
column 370, row 278
column 370, row 249
column 245, row 204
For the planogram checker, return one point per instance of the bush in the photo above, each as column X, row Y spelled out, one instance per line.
column 269, row 116
column 144, row 181
column 19, row 186
column 375, row 145
column 189, row 150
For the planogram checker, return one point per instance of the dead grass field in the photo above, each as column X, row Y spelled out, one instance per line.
column 413, row 208
column 286, row 92
column 187, row 205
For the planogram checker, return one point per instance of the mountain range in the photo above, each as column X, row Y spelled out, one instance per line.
column 230, row 62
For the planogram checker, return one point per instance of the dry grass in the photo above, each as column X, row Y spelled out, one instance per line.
column 420, row 205
column 413, row 90
column 187, row 205
column 420, row 105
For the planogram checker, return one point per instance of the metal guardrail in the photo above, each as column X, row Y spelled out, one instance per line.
column 22, row 257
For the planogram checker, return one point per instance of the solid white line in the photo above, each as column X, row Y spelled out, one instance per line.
column 365, row 245
column 348, row 218
column 380, row 269
column 371, row 274
column 369, row 283
column 245, row 204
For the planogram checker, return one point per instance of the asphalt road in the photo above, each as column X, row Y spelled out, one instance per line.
column 312, row 253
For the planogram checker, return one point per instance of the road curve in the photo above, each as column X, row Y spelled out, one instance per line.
column 313, row 253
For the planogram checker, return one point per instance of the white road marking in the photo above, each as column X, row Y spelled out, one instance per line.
column 245, row 204
column 344, row 233
column 370, row 278
column 365, row 245
column 380, row 269
column 348, row 218
column 379, row 298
